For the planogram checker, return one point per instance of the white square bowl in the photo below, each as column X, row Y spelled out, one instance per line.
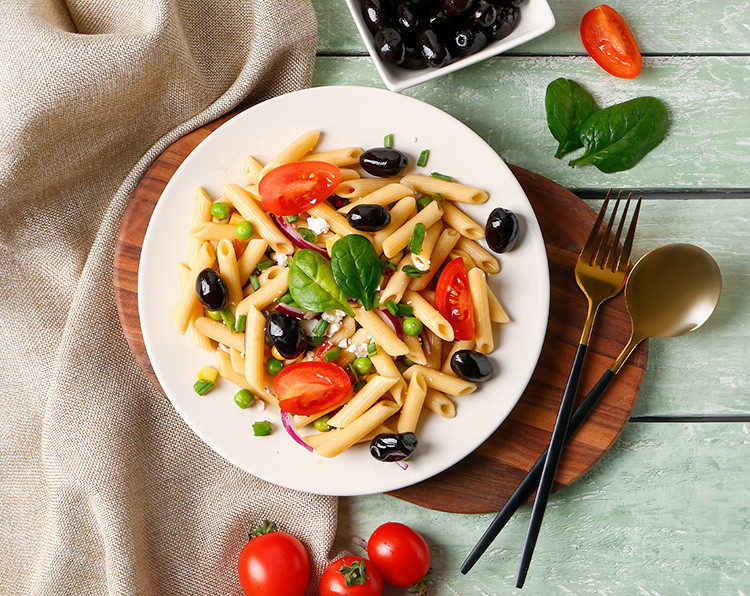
column 536, row 19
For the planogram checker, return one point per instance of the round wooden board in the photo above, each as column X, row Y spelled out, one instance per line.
column 483, row 481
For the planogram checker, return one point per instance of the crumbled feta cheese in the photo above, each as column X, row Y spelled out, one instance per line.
column 308, row 326
column 359, row 350
column 344, row 343
column 334, row 317
column 280, row 258
column 421, row 263
column 317, row 225
column 260, row 404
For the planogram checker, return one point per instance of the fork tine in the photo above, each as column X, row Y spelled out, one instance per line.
column 591, row 242
column 602, row 255
column 611, row 259
column 624, row 263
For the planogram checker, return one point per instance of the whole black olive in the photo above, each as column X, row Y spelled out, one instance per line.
column 211, row 290
column 516, row 3
column 375, row 13
column 453, row 8
column 506, row 21
column 393, row 447
column 483, row 14
column 390, row 45
column 472, row 366
column 413, row 59
column 432, row 44
column 409, row 17
column 501, row 231
column 468, row 41
column 383, row 162
column 368, row 218
column 286, row 335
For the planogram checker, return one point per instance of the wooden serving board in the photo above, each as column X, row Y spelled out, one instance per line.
column 483, row 481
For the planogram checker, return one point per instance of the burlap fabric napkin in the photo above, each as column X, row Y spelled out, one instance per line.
column 103, row 488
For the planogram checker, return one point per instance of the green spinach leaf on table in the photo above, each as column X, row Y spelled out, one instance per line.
column 568, row 106
column 618, row 137
column 312, row 285
column 356, row 268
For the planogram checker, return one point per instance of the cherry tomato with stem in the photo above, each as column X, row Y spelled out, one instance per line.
column 295, row 187
column 608, row 40
column 401, row 555
column 273, row 563
column 453, row 299
column 351, row 576
column 311, row 387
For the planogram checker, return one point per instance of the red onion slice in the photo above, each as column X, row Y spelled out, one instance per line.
column 293, row 311
column 402, row 464
column 291, row 232
column 288, row 422
column 391, row 321
column 359, row 542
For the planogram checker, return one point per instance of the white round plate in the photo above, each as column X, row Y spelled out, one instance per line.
column 347, row 116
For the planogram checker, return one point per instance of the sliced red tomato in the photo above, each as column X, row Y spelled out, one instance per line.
column 311, row 387
column 295, row 187
column 453, row 299
column 608, row 40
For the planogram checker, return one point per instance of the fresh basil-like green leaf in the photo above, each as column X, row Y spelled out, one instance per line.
column 312, row 285
column 568, row 106
column 618, row 137
column 356, row 268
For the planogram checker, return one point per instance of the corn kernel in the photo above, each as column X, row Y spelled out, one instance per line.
column 208, row 373
column 235, row 219
column 275, row 353
column 330, row 241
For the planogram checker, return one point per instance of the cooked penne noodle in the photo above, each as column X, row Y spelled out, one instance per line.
column 229, row 271
column 497, row 312
column 433, row 349
column 439, row 403
column 238, row 361
column 400, row 213
column 261, row 298
column 468, row 261
column 376, row 327
column 252, row 212
column 399, row 239
column 226, row 371
column 386, row 367
column 220, row 333
column 453, row 191
column 482, row 323
column 347, row 174
column 197, row 338
column 346, row 156
column 422, row 259
column 254, row 252
column 374, row 389
column 337, row 221
column 412, row 408
column 188, row 298
column 254, row 348
column 429, row 295
column 443, row 382
column 354, row 189
column 315, row 440
column 416, row 353
column 462, row 344
column 252, row 169
column 461, row 222
column 201, row 214
column 347, row 354
column 348, row 327
column 336, row 441
column 427, row 313
column 382, row 196
column 397, row 283
column 444, row 245
column 294, row 151
column 271, row 273
column 213, row 231
column 484, row 260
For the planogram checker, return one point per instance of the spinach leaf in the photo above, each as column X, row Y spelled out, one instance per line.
column 568, row 105
column 616, row 138
column 356, row 268
column 312, row 285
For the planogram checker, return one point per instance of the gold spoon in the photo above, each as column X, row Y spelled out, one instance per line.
column 670, row 291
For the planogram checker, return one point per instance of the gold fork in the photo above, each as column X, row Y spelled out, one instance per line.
column 601, row 275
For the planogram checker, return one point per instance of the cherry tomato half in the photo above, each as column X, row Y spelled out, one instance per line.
column 333, row 582
column 311, row 387
column 610, row 43
column 295, row 187
column 274, row 564
column 400, row 554
column 453, row 299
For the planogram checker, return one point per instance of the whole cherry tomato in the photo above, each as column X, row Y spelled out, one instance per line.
column 610, row 43
column 295, row 187
column 311, row 387
column 453, row 299
column 351, row 576
column 274, row 564
column 400, row 554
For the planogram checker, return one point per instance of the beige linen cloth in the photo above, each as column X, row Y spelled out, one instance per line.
column 103, row 488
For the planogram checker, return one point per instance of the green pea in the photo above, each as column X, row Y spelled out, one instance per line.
column 321, row 423
column 412, row 326
column 363, row 365
column 274, row 366
column 215, row 315
column 244, row 230
column 244, row 398
column 220, row 210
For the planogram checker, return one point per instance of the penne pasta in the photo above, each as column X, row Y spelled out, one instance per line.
column 412, row 408
column 497, row 312
column 346, row 156
column 462, row 344
column 439, row 403
column 431, row 318
column 229, row 271
column 452, row 191
column 254, row 348
column 337, row 221
column 397, row 284
column 468, row 261
column 220, row 333
column 443, row 382
column 376, row 327
column 374, row 389
column 347, row 174
column 317, row 439
column 252, row 212
column 294, row 151
column 482, row 323
column 201, row 214
column 398, row 240
column 483, row 259
column 383, row 196
column 385, row 367
column 416, row 353
column 254, row 252
column 252, row 169
column 421, row 259
column 354, row 189
column 270, row 291
column 224, row 364
column 444, row 245
column 400, row 213
column 188, row 299
column 336, row 441
column 213, row 231
column 433, row 349
column 461, row 222
column 197, row 338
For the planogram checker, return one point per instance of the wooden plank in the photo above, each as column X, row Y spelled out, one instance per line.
column 502, row 99
column 705, row 27
column 666, row 511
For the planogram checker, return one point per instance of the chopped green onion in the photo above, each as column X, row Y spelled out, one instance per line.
column 357, row 387
column 332, row 354
column 388, row 141
column 417, row 238
column 407, row 361
column 243, row 398
column 321, row 327
column 220, row 210
column 438, row 196
column 422, row 161
column 316, row 341
column 264, row 264
column 215, row 315
column 372, row 349
column 412, row 271
column 286, row 298
column 255, row 283
column 228, row 318
column 239, row 324
column 321, row 424
column 292, row 218
column 388, row 265
column 353, row 370
column 401, row 367
column 422, row 202
column 404, row 310
column 202, row 387
column 244, row 230
column 440, row 176
column 262, row 428
column 308, row 235
column 391, row 306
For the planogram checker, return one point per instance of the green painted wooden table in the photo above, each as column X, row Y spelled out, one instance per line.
column 667, row 510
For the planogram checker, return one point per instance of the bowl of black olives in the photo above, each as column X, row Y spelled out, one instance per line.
column 413, row 41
